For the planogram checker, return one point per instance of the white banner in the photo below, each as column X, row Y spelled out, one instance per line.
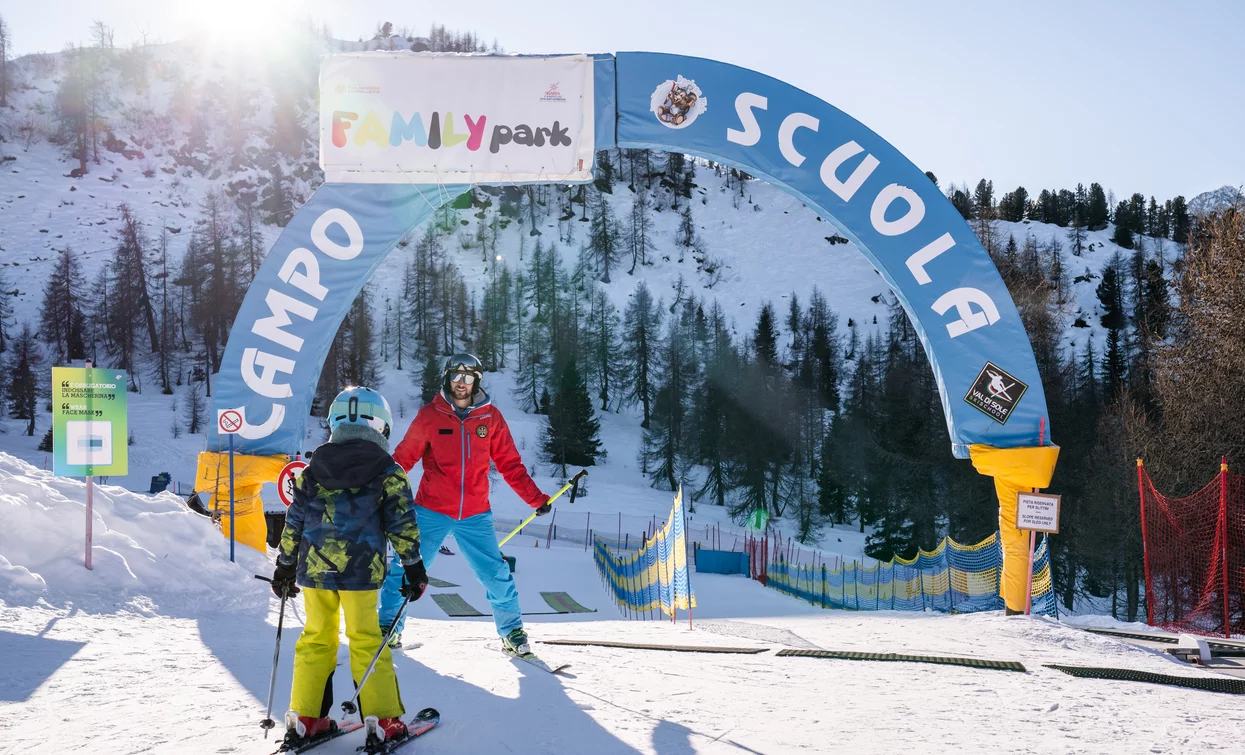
column 442, row 118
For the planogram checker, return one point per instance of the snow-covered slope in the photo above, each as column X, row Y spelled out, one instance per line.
column 179, row 660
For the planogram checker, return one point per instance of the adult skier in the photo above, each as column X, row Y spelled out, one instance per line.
column 456, row 435
column 351, row 498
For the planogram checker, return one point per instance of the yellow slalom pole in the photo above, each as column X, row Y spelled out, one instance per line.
column 566, row 487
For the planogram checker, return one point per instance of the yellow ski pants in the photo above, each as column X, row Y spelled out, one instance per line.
column 315, row 654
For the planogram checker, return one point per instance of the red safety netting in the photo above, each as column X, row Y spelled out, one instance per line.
column 1195, row 556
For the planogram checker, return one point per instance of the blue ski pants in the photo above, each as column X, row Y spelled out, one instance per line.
column 477, row 542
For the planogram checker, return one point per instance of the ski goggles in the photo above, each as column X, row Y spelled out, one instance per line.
column 462, row 377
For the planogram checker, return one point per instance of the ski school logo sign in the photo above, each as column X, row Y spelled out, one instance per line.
column 425, row 118
column 995, row 392
column 678, row 102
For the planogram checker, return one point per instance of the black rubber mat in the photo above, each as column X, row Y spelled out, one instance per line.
column 1206, row 683
column 852, row 655
column 564, row 603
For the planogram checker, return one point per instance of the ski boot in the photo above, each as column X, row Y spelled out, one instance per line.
column 381, row 730
column 516, row 642
column 301, row 729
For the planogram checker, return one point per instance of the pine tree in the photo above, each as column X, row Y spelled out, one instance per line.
column 572, row 428
column 60, row 317
column 685, row 236
column 1123, row 235
column 6, row 312
column 25, row 363
column 963, row 202
column 532, row 367
column 665, row 440
column 6, row 40
column 430, row 379
column 1097, row 211
column 1111, row 296
column 603, row 345
column 1180, row 220
column 605, row 237
column 195, row 408
column 712, row 410
column 277, row 197
column 1076, row 236
column 131, row 273
column 765, row 339
column 641, row 336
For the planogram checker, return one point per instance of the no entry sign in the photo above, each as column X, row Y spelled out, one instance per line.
column 287, row 479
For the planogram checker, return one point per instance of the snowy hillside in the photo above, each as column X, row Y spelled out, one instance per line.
column 166, row 648
column 183, row 121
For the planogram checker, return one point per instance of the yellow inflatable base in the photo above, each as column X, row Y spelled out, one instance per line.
column 250, row 473
column 1013, row 470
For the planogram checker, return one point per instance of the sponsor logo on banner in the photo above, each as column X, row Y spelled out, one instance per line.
column 356, row 89
column 995, row 392
column 552, row 94
column 678, row 102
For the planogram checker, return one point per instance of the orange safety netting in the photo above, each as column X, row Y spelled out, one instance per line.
column 1195, row 556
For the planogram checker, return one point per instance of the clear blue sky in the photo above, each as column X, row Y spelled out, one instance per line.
column 1140, row 96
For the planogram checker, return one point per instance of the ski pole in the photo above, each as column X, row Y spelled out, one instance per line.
column 268, row 723
column 573, row 483
column 349, row 706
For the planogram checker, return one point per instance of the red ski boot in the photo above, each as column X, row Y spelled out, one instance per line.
column 385, row 728
column 306, row 727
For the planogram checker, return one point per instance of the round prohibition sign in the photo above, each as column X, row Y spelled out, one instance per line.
column 288, row 479
column 230, row 421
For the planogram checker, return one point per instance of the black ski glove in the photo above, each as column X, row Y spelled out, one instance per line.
column 414, row 581
column 283, row 580
column 542, row 510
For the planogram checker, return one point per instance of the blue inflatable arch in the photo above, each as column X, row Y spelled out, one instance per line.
column 873, row 195
column 982, row 360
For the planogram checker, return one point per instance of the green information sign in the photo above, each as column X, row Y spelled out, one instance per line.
column 89, row 430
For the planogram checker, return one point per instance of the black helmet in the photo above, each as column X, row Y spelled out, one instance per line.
column 463, row 363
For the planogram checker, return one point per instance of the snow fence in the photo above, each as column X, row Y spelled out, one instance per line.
column 952, row 578
column 654, row 577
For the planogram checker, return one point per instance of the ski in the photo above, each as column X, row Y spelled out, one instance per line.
column 343, row 727
column 421, row 724
column 536, row 661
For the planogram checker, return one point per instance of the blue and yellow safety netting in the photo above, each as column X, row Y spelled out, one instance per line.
column 656, row 576
column 951, row 578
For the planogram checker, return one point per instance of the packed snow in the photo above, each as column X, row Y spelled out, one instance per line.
column 166, row 647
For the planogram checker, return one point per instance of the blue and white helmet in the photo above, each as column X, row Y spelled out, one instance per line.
column 357, row 405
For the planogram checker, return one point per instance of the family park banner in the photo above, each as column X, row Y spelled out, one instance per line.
column 418, row 118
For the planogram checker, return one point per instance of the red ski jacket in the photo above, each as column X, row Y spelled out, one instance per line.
column 456, row 454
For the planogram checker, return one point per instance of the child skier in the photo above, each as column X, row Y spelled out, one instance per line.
column 350, row 499
column 456, row 435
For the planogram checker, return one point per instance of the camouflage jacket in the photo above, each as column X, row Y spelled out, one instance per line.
column 351, row 498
